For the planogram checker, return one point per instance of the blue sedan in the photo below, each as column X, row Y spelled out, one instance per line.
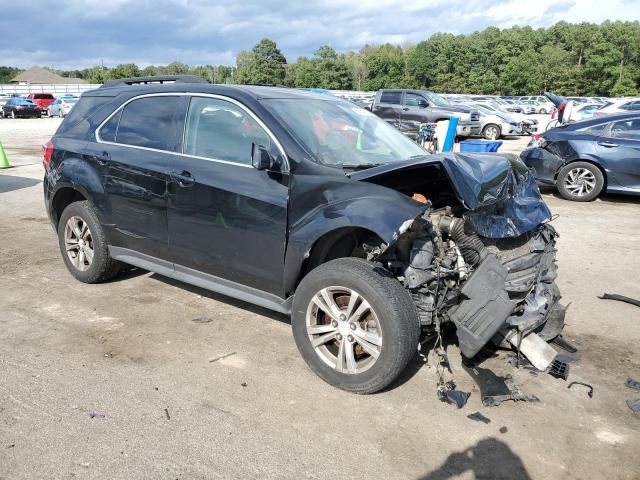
column 586, row 158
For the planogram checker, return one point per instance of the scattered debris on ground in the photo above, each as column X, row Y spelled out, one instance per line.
column 559, row 369
column 503, row 430
column 166, row 414
column 495, row 389
column 202, row 320
column 96, row 415
column 620, row 298
column 631, row 383
column 634, row 405
column 590, row 392
column 220, row 357
column 478, row 417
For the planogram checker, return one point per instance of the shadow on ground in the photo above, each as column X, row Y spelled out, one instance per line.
column 8, row 183
column 490, row 458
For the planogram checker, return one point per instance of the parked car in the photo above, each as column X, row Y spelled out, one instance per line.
column 512, row 105
column 495, row 126
column 583, row 159
column 61, row 106
column 42, row 100
column 585, row 110
column 538, row 107
column 407, row 109
column 304, row 204
column 619, row 106
column 19, row 107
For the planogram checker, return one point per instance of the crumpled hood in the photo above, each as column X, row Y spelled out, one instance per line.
column 499, row 191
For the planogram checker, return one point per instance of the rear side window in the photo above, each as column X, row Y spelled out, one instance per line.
column 151, row 122
column 43, row 96
column 391, row 97
column 629, row 129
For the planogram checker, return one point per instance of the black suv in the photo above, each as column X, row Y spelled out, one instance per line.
column 307, row 205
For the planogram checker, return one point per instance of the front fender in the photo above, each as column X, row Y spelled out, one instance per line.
column 383, row 213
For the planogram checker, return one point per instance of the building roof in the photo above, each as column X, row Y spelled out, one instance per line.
column 39, row 75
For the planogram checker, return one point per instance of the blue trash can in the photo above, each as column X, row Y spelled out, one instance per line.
column 480, row 146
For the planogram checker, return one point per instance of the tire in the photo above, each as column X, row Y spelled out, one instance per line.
column 491, row 131
column 392, row 325
column 101, row 267
column 542, row 111
column 580, row 181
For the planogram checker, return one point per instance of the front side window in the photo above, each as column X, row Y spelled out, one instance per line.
column 220, row 130
column 151, row 122
column 628, row 129
column 415, row 100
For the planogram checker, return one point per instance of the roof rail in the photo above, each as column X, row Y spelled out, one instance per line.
column 153, row 80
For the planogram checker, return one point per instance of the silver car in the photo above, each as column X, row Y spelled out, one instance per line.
column 61, row 106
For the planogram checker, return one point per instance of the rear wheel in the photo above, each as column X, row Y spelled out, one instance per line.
column 491, row 131
column 543, row 111
column 83, row 244
column 580, row 181
column 355, row 325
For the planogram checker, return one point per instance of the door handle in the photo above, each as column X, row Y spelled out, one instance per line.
column 405, row 108
column 608, row 144
column 184, row 178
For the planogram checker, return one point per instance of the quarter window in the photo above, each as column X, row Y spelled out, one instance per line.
column 220, row 130
column 151, row 122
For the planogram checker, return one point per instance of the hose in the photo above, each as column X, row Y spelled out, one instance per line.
column 470, row 245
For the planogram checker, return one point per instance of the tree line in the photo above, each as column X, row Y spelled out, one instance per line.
column 569, row 59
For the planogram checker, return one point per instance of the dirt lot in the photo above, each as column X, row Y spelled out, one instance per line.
column 120, row 380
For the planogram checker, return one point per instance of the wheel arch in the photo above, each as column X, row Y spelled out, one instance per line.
column 63, row 197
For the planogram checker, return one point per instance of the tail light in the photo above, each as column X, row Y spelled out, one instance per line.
column 537, row 140
column 47, row 153
column 19, row 108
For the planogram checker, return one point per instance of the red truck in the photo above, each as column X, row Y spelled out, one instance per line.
column 43, row 100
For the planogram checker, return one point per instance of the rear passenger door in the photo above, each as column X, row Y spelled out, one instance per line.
column 226, row 218
column 389, row 108
column 619, row 151
column 133, row 150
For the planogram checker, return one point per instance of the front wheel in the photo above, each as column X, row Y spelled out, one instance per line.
column 543, row 111
column 355, row 325
column 580, row 182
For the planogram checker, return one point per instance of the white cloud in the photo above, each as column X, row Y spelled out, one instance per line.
column 80, row 33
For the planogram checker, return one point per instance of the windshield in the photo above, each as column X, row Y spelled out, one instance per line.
column 341, row 134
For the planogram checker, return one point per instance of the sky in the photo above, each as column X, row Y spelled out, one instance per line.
column 68, row 34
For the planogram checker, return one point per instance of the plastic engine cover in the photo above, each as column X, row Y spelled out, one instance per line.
column 484, row 308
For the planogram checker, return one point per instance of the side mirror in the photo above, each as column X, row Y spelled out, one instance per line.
column 261, row 159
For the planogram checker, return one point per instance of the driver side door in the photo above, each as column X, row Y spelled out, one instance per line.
column 225, row 217
column 414, row 112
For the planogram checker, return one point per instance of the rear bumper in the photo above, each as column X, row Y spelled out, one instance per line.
column 545, row 164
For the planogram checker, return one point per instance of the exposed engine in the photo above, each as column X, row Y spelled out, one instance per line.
column 489, row 288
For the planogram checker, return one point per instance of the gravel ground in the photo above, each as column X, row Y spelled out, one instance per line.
column 127, row 380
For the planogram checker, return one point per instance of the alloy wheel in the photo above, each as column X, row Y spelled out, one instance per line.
column 491, row 132
column 78, row 243
column 580, row 182
column 344, row 330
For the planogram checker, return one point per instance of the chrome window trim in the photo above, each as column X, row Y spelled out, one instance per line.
column 182, row 154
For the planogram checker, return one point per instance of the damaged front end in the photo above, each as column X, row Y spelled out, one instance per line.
column 486, row 263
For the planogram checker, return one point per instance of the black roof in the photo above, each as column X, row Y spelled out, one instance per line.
column 188, row 83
